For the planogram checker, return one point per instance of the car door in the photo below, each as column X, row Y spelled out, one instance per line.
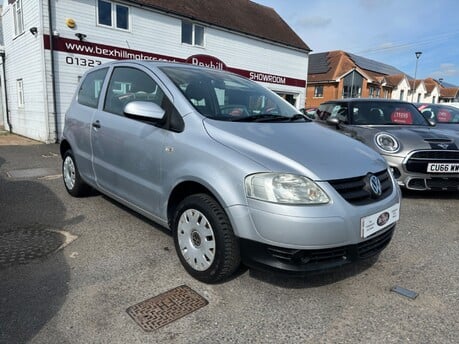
column 127, row 152
column 79, row 117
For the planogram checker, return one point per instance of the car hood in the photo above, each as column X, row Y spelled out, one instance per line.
column 411, row 137
column 303, row 148
column 454, row 127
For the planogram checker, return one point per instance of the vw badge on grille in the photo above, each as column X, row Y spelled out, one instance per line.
column 375, row 185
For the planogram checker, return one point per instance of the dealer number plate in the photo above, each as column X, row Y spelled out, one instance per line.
column 442, row 168
column 374, row 223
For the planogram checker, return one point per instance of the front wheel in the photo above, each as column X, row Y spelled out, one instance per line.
column 72, row 179
column 204, row 239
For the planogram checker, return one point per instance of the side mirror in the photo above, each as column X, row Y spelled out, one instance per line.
column 333, row 121
column 143, row 110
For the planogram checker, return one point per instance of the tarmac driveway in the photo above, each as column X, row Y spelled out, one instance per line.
column 70, row 268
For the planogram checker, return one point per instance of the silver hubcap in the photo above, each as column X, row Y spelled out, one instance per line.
column 196, row 239
column 69, row 173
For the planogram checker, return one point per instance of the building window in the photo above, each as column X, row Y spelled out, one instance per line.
column 352, row 85
column 372, row 90
column 402, row 94
column 18, row 18
column 419, row 97
column 433, row 100
column 192, row 33
column 20, row 90
column 319, row 91
column 122, row 17
column 112, row 15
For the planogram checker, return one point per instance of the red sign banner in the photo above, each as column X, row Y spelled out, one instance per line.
column 73, row 46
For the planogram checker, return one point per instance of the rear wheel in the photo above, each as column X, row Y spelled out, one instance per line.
column 72, row 180
column 204, row 239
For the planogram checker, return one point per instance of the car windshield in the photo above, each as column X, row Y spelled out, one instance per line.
column 440, row 113
column 227, row 97
column 386, row 113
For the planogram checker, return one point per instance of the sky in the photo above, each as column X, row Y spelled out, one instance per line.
column 388, row 31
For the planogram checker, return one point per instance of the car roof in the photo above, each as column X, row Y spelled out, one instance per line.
column 435, row 104
column 150, row 63
column 366, row 100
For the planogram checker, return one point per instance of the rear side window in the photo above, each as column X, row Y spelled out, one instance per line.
column 90, row 88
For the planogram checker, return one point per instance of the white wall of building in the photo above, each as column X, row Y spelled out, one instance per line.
column 150, row 32
column 419, row 93
column 164, row 38
column 401, row 92
column 24, row 60
column 433, row 96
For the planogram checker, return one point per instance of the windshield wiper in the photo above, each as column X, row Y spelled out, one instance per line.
column 299, row 116
column 262, row 117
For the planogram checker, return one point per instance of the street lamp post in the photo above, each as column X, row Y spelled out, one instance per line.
column 418, row 54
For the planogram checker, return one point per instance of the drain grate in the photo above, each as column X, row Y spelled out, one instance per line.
column 165, row 308
column 22, row 245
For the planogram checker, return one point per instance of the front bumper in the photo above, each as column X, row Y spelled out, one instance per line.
column 296, row 261
column 327, row 226
column 410, row 174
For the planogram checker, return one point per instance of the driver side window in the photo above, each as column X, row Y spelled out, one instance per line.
column 129, row 84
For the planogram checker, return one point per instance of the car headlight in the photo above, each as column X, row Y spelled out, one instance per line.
column 284, row 188
column 387, row 142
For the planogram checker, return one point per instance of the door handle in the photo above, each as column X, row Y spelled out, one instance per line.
column 96, row 124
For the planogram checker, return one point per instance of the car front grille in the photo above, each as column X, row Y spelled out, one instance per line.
column 418, row 161
column 307, row 256
column 336, row 255
column 449, row 184
column 375, row 244
column 356, row 191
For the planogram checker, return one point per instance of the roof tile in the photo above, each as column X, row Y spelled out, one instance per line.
column 243, row 16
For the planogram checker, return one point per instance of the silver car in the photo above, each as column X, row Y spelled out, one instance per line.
column 234, row 171
column 421, row 156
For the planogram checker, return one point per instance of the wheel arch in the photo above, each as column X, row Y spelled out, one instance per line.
column 64, row 147
column 183, row 190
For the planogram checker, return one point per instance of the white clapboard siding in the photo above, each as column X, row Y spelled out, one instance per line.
column 24, row 60
column 150, row 32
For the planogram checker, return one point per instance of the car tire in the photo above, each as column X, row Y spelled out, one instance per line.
column 74, row 185
column 204, row 239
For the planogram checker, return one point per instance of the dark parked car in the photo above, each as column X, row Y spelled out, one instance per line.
column 444, row 115
column 421, row 156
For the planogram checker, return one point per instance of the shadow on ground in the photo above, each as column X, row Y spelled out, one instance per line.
column 430, row 194
column 33, row 285
column 313, row 280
